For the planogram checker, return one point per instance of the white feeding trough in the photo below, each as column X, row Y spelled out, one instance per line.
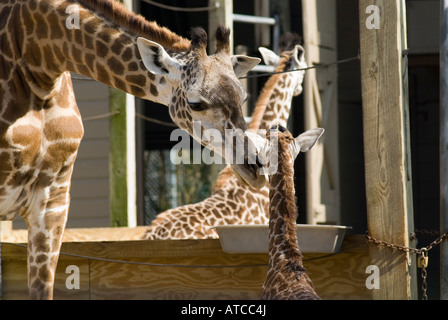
column 255, row 238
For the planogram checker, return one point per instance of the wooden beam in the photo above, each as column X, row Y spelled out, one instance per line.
column 336, row 276
column 386, row 144
column 118, row 191
column 321, row 110
column 122, row 162
column 443, row 148
column 221, row 15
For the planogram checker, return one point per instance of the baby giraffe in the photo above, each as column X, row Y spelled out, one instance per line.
column 286, row 278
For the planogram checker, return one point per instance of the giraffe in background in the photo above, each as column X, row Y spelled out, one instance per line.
column 40, row 124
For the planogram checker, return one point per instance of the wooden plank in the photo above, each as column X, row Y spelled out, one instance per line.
column 142, row 282
column 91, row 168
column 90, row 108
column 99, row 220
column 93, row 99
column 386, row 145
column 335, row 276
column 94, row 149
column 103, row 234
column 92, row 188
column 341, row 276
column 86, row 207
column 15, row 276
column 85, row 234
column 97, row 129
column 87, row 90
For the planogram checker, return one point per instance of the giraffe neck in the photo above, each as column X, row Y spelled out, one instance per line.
column 100, row 48
column 283, row 246
column 274, row 103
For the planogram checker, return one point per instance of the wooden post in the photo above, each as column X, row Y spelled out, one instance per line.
column 386, row 143
column 221, row 15
column 118, row 191
column 122, row 163
column 443, row 148
column 321, row 110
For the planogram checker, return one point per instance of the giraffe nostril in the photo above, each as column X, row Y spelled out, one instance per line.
column 257, row 162
column 255, row 166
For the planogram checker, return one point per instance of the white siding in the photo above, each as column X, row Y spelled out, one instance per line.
column 90, row 181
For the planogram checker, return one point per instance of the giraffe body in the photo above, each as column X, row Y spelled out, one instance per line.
column 286, row 278
column 41, row 127
column 233, row 202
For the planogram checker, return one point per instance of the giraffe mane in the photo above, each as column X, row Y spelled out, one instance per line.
column 285, row 139
column 135, row 24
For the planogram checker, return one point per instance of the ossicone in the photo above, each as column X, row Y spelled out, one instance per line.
column 198, row 39
column 223, row 39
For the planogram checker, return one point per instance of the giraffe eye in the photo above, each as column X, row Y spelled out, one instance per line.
column 197, row 106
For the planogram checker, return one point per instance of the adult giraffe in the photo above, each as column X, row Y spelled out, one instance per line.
column 40, row 125
column 233, row 202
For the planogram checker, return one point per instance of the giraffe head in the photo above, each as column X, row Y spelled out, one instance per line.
column 268, row 149
column 206, row 93
column 292, row 60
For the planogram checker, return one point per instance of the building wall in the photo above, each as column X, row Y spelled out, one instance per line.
column 351, row 146
column 90, row 181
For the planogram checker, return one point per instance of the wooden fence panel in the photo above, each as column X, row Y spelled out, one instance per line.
column 335, row 276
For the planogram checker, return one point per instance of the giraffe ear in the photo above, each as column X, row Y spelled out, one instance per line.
column 243, row 64
column 299, row 57
column 306, row 141
column 269, row 57
column 156, row 59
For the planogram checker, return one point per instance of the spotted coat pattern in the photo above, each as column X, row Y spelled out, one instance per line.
column 40, row 125
column 286, row 278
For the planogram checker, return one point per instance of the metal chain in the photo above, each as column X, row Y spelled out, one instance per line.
column 437, row 241
column 422, row 254
column 424, row 274
column 426, row 232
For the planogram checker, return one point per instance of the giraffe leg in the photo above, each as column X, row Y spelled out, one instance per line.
column 45, row 232
column 43, row 252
